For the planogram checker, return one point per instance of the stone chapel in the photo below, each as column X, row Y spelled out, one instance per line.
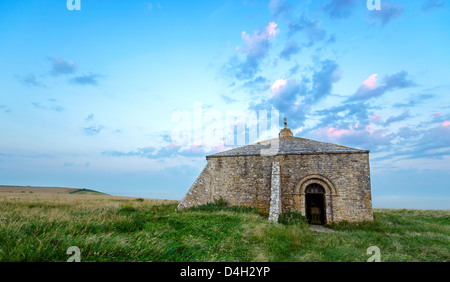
column 325, row 182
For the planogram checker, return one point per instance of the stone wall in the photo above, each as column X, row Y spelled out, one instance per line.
column 200, row 192
column 246, row 181
column 275, row 199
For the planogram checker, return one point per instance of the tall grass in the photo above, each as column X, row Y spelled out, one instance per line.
column 42, row 227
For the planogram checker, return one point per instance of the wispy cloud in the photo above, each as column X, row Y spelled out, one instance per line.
column 168, row 151
column 89, row 118
column 345, row 115
column 93, row 129
column 369, row 89
column 438, row 117
column 89, row 79
column 339, row 9
column 30, row 80
column 257, row 84
column 323, row 79
column 311, row 28
column 4, row 109
column 356, row 127
column 62, row 67
column 255, row 49
column 228, row 99
column 294, row 97
column 433, row 4
column 429, row 143
column 414, row 101
column 280, row 9
column 290, row 48
column 436, row 137
column 294, row 69
column 401, row 117
column 356, row 135
column 406, row 132
column 50, row 104
column 71, row 164
column 388, row 13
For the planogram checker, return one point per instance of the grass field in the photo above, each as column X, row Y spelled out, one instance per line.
column 41, row 227
column 46, row 190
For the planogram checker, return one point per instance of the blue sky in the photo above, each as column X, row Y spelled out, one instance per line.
column 88, row 97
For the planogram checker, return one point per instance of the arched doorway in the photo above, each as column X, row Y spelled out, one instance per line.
column 315, row 204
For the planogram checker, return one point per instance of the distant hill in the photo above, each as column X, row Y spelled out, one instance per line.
column 47, row 190
column 87, row 192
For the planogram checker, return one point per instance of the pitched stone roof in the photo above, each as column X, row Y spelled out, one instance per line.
column 288, row 145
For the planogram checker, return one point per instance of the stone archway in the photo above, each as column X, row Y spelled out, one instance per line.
column 329, row 193
column 315, row 204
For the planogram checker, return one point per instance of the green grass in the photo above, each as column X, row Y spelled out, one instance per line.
column 109, row 229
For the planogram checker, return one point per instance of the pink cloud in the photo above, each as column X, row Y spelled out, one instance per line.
column 446, row 123
column 333, row 133
column 220, row 147
column 239, row 121
column 272, row 30
column 197, row 144
column 376, row 119
column 436, row 115
column 369, row 129
column 256, row 44
column 354, row 134
column 171, row 146
column 337, row 133
column 371, row 81
column 278, row 85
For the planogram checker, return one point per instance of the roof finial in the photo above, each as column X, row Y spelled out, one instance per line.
column 285, row 132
